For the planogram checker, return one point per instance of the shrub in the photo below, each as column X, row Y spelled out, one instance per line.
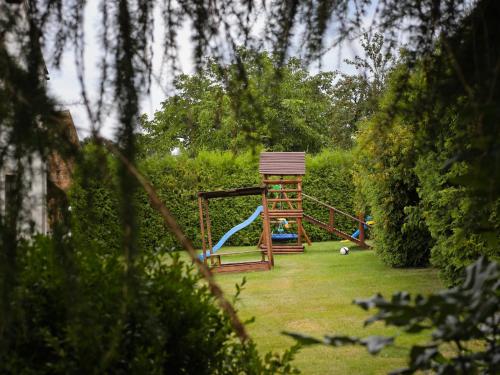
column 79, row 310
column 449, row 155
column 386, row 181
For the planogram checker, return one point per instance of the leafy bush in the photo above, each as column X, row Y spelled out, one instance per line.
column 80, row 310
column 463, row 221
column 94, row 202
column 386, row 181
column 459, row 143
column 464, row 321
column 429, row 158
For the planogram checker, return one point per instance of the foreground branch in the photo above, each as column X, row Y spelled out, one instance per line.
column 171, row 223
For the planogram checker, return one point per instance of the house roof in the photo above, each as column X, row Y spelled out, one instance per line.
column 283, row 163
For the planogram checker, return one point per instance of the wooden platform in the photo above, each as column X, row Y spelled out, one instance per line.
column 286, row 249
column 242, row 267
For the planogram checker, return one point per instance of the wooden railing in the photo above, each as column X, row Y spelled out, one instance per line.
column 330, row 226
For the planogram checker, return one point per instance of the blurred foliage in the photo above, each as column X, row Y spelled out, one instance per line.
column 71, row 315
column 464, row 323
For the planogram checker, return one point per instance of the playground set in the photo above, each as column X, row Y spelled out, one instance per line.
column 281, row 212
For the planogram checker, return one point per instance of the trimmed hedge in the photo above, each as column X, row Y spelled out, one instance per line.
column 179, row 178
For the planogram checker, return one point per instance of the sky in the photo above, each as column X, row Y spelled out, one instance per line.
column 65, row 86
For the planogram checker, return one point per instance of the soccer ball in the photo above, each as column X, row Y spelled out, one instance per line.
column 344, row 251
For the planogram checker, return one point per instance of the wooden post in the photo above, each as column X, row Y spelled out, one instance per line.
column 202, row 226
column 260, row 238
column 331, row 221
column 361, row 229
column 267, row 228
column 304, row 233
column 209, row 229
column 299, row 207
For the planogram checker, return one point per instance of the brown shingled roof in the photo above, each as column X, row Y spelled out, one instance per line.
column 283, row 163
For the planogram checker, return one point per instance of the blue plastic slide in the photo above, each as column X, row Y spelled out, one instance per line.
column 235, row 229
column 356, row 233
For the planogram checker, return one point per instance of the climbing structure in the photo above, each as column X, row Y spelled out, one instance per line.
column 281, row 212
column 216, row 260
column 282, row 176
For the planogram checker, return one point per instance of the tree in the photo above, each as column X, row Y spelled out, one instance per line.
column 282, row 108
column 386, row 180
column 436, row 180
column 355, row 97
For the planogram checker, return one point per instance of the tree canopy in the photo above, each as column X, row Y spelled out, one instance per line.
column 278, row 106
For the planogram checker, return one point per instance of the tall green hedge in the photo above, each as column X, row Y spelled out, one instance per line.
column 387, row 182
column 429, row 157
column 179, row 178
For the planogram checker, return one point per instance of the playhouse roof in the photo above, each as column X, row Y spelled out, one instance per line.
column 283, row 163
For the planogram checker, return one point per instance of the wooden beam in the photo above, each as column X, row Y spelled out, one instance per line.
column 299, row 208
column 256, row 190
column 267, row 229
column 209, row 227
column 282, row 182
column 361, row 229
column 284, row 199
column 285, row 213
column 308, row 240
column 287, row 249
column 202, row 226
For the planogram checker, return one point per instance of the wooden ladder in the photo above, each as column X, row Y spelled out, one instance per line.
column 330, row 226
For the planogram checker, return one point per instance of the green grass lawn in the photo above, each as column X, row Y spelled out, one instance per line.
column 312, row 293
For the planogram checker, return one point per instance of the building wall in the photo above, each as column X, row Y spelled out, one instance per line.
column 37, row 175
column 33, row 215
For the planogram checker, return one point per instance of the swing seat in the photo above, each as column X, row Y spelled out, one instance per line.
column 284, row 236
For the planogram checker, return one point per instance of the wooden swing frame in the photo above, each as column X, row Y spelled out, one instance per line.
column 214, row 260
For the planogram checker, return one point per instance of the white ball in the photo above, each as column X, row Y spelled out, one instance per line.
column 344, row 250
